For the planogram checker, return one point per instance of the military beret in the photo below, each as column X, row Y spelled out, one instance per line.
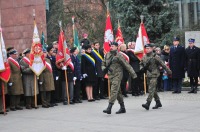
column 149, row 45
column 26, row 51
column 87, row 47
column 114, row 43
column 13, row 51
column 72, row 49
column 191, row 40
column 9, row 48
column 49, row 48
column 176, row 39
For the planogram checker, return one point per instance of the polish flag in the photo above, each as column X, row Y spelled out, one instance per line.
column 119, row 36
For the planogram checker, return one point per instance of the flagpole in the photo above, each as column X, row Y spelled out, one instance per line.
column 66, row 80
column 145, row 85
column 3, row 97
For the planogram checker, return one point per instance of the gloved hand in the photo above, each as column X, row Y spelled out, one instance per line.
column 64, row 68
column 40, row 83
column 10, row 84
column 74, row 78
column 57, row 77
column 85, row 75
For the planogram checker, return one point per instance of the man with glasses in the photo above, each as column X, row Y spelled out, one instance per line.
column 193, row 64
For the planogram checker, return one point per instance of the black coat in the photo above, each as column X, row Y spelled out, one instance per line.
column 134, row 61
column 53, row 64
column 177, row 61
column 77, row 67
column 98, row 64
column 193, row 60
column 70, row 74
column 88, row 68
column 165, row 56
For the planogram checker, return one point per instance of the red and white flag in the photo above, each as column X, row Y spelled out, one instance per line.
column 119, row 36
column 63, row 56
column 37, row 61
column 4, row 66
column 108, row 36
column 142, row 39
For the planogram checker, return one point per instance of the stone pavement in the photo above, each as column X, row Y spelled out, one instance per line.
column 180, row 113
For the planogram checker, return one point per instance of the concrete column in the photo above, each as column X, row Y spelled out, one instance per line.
column 186, row 16
column 180, row 15
column 195, row 13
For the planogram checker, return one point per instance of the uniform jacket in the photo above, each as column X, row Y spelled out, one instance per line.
column 15, row 78
column 193, row 61
column 53, row 64
column 46, row 77
column 117, row 65
column 154, row 62
column 77, row 66
column 28, row 78
column 177, row 61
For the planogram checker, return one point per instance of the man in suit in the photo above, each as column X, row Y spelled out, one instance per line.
column 177, row 64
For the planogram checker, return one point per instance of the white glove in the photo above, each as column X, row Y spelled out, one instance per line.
column 40, row 83
column 64, row 68
column 57, row 77
column 74, row 78
column 10, row 84
column 85, row 75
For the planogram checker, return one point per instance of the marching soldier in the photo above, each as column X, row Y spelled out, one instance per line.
column 193, row 64
column 15, row 87
column 151, row 63
column 46, row 83
column 28, row 80
column 113, row 64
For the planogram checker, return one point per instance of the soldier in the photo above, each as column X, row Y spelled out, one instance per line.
column 1, row 98
column 113, row 64
column 15, row 87
column 151, row 63
column 28, row 80
column 193, row 64
column 46, row 83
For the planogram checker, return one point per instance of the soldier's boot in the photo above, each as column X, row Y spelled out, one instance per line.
column 122, row 109
column 195, row 89
column 146, row 106
column 192, row 90
column 108, row 110
column 158, row 104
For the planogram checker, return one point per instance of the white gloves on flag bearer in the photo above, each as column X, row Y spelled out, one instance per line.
column 40, row 83
column 10, row 84
column 85, row 75
column 64, row 68
column 74, row 78
column 57, row 77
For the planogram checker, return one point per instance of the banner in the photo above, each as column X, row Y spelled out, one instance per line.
column 119, row 36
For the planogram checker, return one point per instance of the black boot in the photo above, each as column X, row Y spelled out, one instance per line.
column 108, row 110
column 192, row 89
column 146, row 106
column 158, row 104
column 195, row 89
column 122, row 109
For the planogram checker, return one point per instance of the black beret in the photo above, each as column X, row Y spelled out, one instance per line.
column 114, row 43
column 49, row 48
column 148, row 45
column 26, row 51
column 13, row 51
column 72, row 49
column 176, row 39
column 9, row 48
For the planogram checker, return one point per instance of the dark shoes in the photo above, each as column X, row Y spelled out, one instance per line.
column 158, row 104
column 122, row 109
column 176, row 92
column 78, row 101
column 108, row 110
column 125, row 95
column 91, row 100
column 19, row 108
column 102, row 97
column 146, row 106
column 135, row 94
column 71, row 102
column 12, row 109
column 45, row 106
column 28, row 107
column 65, row 103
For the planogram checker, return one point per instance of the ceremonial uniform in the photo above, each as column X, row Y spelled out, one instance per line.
column 1, row 95
column 46, row 82
column 115, row 74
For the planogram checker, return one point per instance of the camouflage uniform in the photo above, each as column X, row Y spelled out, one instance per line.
column 115, row 77
column 152, row 62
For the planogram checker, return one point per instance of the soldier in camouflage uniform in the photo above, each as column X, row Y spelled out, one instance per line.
column 115, row 62
column 150, row 63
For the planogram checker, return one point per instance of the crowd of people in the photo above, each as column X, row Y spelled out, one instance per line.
column 86, row 81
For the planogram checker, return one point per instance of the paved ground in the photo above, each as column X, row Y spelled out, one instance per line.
column 180, row 113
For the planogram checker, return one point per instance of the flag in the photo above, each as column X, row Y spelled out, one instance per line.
column 75, row 36
column 108, row 36
column 142, row 39
column 63, row 55
column 44, row 46
column 119, row 36
column 4, row 66
column 37, row 62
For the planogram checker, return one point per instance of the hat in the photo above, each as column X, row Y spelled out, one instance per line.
column 13, row 51
column 114, row 43
column 176, row 39
column 26, row 51
column 9, row 48
column 72, row 49
column 148, row 45
column 87, row 47
column 49, row 48
column 191, row 40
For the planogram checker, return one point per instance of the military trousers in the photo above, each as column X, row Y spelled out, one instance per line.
column 152, row 82
column 14, row 101
column 115, row 92
column 45, row 97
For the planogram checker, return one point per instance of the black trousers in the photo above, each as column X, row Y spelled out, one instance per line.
column 177, row 84
column 137, row 84
column 45, row 97
column 194, row 81
column 77, row 90
column 123, row 84
column 99, row 87
column 14, row 101
column 56, row 94
column 159, row 85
